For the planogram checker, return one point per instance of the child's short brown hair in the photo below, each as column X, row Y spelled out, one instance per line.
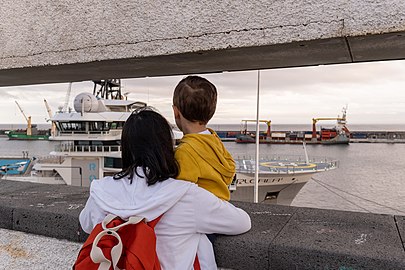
column 196, row 99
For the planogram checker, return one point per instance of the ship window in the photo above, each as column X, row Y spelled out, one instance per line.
column 82, row 142
column 72, row 126
column 117, row 125
column 99, row 126
column 110, row 162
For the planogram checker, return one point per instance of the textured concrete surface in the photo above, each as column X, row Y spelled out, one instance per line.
column 50, row 210
column 281, row 237
column 322, row 239
column 253, row 248
column 47, row 41
column 22, row 251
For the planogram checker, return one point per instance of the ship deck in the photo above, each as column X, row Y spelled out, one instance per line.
column 284, row 166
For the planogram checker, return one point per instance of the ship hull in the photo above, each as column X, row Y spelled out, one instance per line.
column 278, row 189
column 19, row 136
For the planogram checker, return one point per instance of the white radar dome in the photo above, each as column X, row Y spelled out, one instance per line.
column 86, row 102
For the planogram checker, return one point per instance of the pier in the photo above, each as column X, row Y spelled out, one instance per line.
column 281, row 237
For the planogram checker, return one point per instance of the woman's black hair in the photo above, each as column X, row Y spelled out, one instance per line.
column 147, row 142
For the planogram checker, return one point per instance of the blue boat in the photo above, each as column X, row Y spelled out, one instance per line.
column 14, row 166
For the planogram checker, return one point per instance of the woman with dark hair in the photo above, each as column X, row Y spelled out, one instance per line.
column 145, row 187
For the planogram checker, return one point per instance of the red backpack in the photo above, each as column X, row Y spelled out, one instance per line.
column 115, row 244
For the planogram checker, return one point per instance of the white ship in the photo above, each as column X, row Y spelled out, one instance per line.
column 89, row 138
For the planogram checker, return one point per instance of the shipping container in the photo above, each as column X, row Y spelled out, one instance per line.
column 278, row 135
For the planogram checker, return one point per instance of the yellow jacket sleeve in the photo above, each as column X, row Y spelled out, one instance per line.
column 189, row 169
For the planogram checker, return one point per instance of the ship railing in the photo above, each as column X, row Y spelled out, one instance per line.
column 50, row 159
column 111, row 132
column 88, row 148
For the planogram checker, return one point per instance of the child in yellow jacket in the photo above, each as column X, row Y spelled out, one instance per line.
column 201, row 155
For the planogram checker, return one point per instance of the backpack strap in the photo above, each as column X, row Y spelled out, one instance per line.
column 96, row 254
column 111, row 217
column 196, row 264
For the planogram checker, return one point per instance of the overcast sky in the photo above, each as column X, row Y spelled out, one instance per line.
column 374, row 93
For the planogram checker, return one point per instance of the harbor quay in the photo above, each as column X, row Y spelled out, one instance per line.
column 45, row 219
column 291, row 137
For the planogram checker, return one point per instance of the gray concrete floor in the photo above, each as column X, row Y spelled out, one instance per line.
column 20, row 250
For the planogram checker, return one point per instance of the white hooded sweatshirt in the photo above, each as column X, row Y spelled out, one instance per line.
column 190, row 213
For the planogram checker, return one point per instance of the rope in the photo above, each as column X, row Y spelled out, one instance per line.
column 330, row 187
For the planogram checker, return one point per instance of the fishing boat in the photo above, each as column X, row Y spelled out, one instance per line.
column 279, row 178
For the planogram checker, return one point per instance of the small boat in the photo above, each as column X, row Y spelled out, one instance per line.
column 14, row 166
column 280, row 179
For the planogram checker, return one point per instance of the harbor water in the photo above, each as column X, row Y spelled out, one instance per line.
column 370, row 177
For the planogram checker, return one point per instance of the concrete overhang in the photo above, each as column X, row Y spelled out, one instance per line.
column 44, row 42
column 306, row 53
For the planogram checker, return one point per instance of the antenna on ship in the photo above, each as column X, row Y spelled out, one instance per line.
column 107, row 89
column 305, row 151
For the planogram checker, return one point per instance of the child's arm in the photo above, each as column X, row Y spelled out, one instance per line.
column 189, row 169
column 218, row 216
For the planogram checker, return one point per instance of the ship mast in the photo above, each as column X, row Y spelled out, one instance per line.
column 108, row 89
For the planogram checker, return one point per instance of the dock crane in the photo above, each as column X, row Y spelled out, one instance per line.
column 267, row 122
column 66, row 103
column 28, row 119
column 340, row 120
column 48, row 109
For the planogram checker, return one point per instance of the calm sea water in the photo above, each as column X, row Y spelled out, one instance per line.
column 370, row 177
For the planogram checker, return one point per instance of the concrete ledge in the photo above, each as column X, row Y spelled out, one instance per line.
column 400, row 220
column 281, row 237
column 50, row 210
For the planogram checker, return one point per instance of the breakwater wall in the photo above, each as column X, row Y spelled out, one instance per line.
column 281, row 237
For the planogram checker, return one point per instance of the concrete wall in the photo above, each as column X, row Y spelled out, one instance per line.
column 57, row 41
column 281, row 237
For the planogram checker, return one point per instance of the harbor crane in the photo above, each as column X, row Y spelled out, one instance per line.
column 28, row 119
column 340, row 120
column 66, row 103
column 267, row 122
column 48, row 109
